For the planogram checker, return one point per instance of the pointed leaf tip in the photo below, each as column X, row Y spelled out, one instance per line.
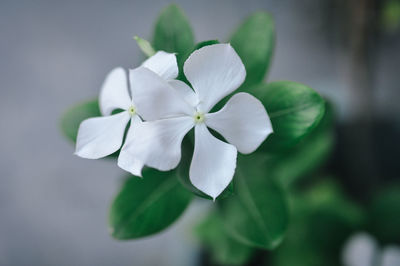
column 145, row 46
column 254, row 41
column 172, row 32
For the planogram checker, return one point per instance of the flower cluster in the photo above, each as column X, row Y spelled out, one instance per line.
column 162, row 110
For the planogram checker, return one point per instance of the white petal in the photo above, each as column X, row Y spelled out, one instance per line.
column 125, row 160
column 101, row 136
column 243, row 122
column 213, row 164
column 114, row 93
column 359, row 250
column 156, row 144
column 186, row 92
column 391, row 256
column 154, row 97
column 164, row 64
column 214, row 72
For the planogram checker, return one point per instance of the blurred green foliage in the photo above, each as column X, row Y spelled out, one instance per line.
column 224, row 249
column 384, row 214
column 321, row 220
column 391, row 15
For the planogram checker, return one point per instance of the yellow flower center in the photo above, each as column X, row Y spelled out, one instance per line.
column 198, row 117
column 132, row 110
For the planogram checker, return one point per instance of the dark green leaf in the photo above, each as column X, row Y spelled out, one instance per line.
column 385, row 214
column 147, row 206
column 289, row 166
column 72, row 118
column 204, row 43
column 256, row 214
column 173, row 32
column 254, row 41
column 294, row 109
column 223, row 249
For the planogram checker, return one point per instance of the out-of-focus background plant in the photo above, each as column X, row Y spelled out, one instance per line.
column 329, row 172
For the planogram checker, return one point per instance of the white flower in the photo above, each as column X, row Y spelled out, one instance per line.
column 101, row 136
column 173, row 108
column 363, row 250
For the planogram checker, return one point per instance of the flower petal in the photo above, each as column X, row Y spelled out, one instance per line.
column 213, row 164
column 156, row 144
column 125, row 160
column 186, row 92
column 101, row 136
column 154, row 97
column 214, row 72
column 360, row 250
column 114, row 93
column 243, row 122
column 390, row 256
column 164, row 64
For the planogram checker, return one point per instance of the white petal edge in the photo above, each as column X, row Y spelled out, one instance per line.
column 390, row 256
column 163, row 64
column 359, row 250
column 101, row 136
column 214, row 71
column 155, row 98
column 243, row 122
column 213, row 163
column 186, row 92
column 125, row 160
column 157, row 144
column 114, row 92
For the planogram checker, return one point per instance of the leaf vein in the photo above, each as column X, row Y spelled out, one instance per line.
column 290, row 110
column 252, row 207
column 157, row 193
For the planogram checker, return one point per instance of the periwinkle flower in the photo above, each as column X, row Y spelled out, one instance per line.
column 171, row 109
column 102, row 136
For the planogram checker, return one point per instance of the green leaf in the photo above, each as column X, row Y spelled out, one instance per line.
column 390, row 15
column 310, row 154
column 385, row 214
column 72, row 118
column 224, row 249
column 332, row 214
column 147, row 206
column 173, row 32
column 204, row 43
column 145, row 46
column 294, row 109
column 256, row 214
column 254, row 41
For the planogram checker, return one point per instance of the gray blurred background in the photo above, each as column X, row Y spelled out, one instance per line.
column 54, row 54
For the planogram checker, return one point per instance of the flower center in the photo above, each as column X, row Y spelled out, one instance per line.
column 132, row 110
column 198, row 117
